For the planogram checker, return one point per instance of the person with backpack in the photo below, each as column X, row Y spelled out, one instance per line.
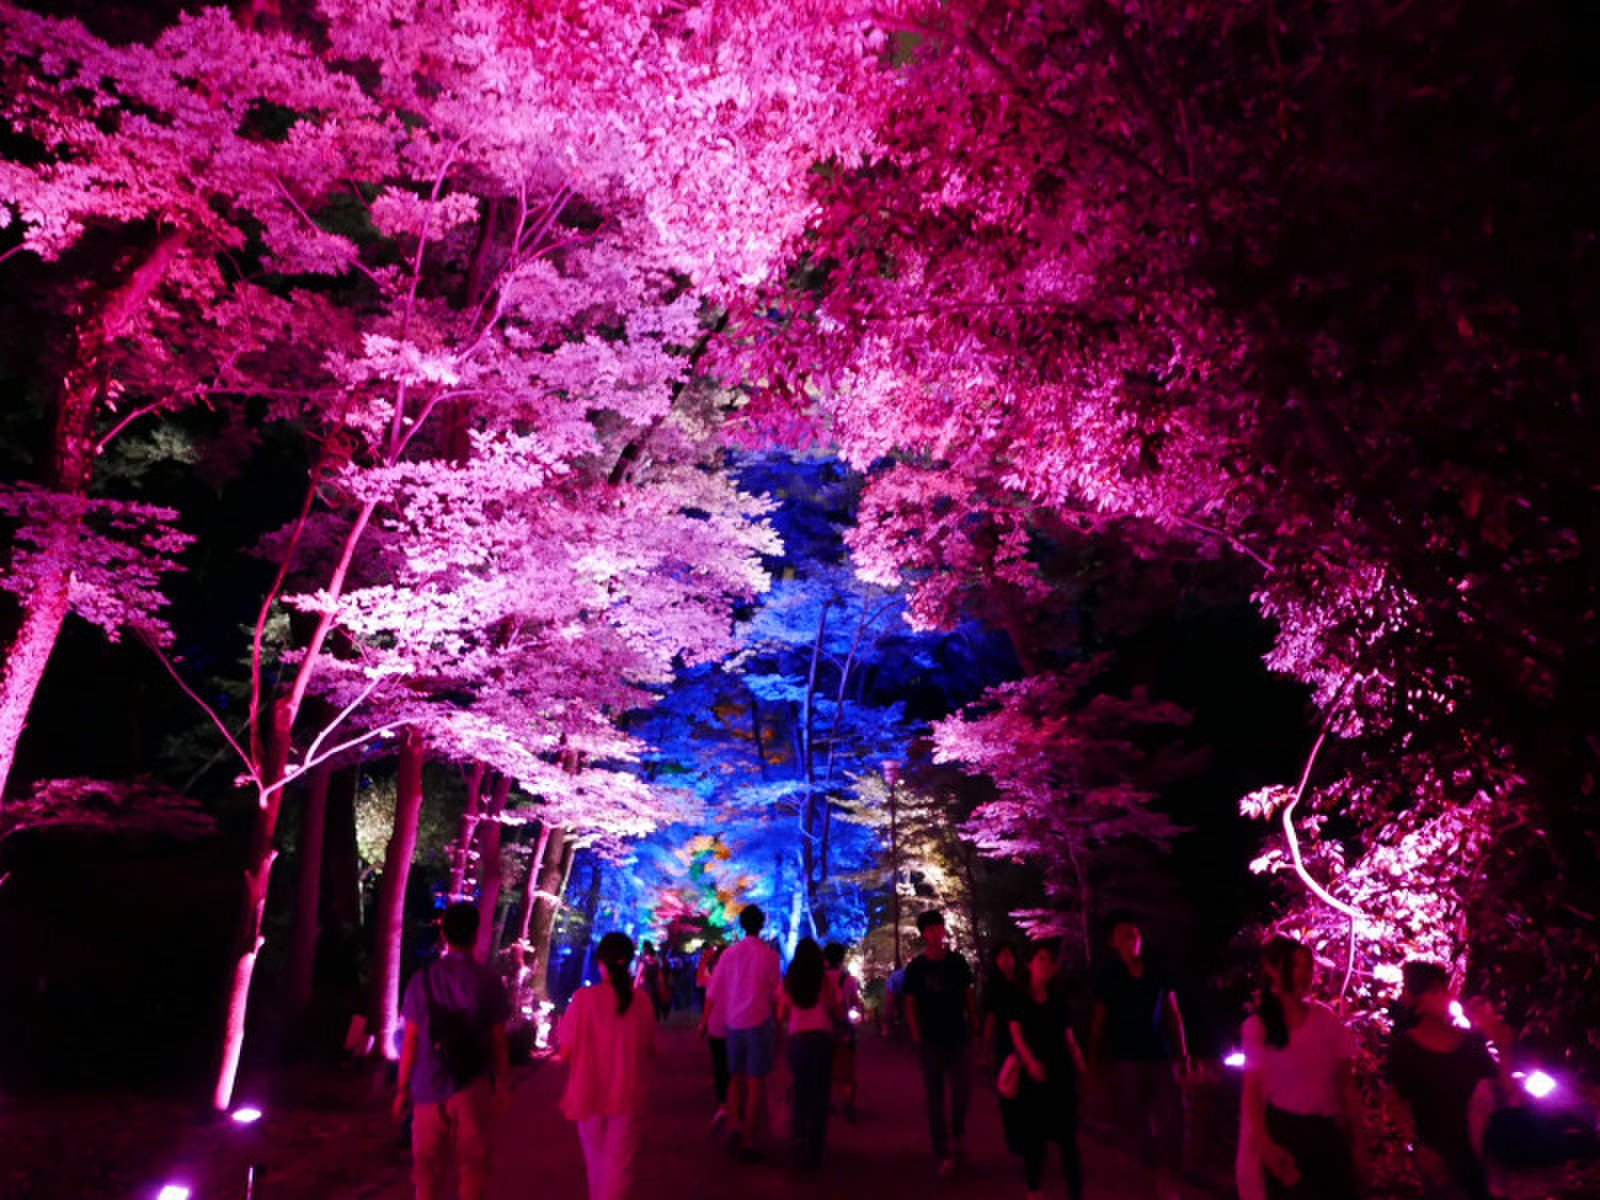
column 607, row 1039
column 454, row 1061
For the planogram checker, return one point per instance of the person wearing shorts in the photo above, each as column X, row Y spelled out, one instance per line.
column 743, row 993
column 451, row 1115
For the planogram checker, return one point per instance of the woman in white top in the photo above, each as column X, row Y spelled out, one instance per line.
column 808, row 1006
column 607, row 1040
column 1301, row 1108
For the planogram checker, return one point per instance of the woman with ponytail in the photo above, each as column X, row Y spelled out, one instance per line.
column 809, row 1009
column 1301, row 1108
column 607, row 1039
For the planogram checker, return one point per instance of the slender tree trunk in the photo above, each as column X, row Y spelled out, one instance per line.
column 257, row 876
column 755, row 732
column 569, row 859
column 491, row 875
column 969, row 872
column 79, row 386
column 591, row 900
column 341, row 860
column 799, row 914
column 551, row 874
column 461, row 853
column 808, row 769
column 303, row 934
column 388, row 936
column 894, row 867
column 530, row 887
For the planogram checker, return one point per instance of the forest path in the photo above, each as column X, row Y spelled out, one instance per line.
column 882, row 1154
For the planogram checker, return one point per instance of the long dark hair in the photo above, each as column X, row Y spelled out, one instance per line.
column 1279, row 954
column 616, row 954
column 803, row 980
column 996, row 948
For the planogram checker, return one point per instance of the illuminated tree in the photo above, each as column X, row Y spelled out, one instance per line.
column 1286, row 280
column 523, row 246
column 143, row 180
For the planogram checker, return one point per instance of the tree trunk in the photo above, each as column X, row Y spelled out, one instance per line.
column 969, row 872
column 257, row 875
column 569, row 859
column 808, row 770
column 551, row 878
column 530, row 887
column 894, row 864
column 79, row 387
column 341, row 861
column 301, row 970
column 490, row 873
column 461, row 852
column 388, row 936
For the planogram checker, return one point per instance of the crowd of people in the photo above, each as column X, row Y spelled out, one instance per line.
column 1301, row 1126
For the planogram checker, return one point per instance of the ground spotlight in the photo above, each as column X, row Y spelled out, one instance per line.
column 248, row 1115
column 1538, row 1085
column 174, row 1191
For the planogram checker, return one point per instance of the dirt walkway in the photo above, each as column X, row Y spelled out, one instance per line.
column 881, row 1156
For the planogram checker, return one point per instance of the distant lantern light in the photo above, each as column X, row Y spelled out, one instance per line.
column 855, row 1016
column 1538, row 1085
column 542, row 1024
column 248, row 1115
column 1234, row 1060
column 174, row 1191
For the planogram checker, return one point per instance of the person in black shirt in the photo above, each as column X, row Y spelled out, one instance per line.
column 1432, row 1070
column 1138, row 1033
column 1047, row 1100
column 1003, row 989
column 941, row 1008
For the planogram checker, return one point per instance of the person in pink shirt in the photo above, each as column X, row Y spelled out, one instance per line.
column 809, row 1009
column 743, row 994
column 607, row 1040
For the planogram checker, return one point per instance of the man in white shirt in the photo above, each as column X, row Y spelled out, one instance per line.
column 743, row 993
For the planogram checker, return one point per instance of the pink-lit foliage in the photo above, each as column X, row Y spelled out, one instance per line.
column 516, row 496
column 155, row 151
column 130, row 808
column 1287, row 279
column 1076, row 767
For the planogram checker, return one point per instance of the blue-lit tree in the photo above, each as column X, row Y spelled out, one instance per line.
column 773, row 743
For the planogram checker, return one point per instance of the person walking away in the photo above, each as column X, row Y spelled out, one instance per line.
column 1137, row 1034
column 651, row 979
column 894, row 1003
column 1301, row 1107
column 713, row 1027
column 1003, row 990
column 1047, row 1096
column 851, row 1010
column 941, row 1010
column 607, row 1039
column 808, row 1007
column 744, row 991
column 1432, row 1070
column 454, row 1061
